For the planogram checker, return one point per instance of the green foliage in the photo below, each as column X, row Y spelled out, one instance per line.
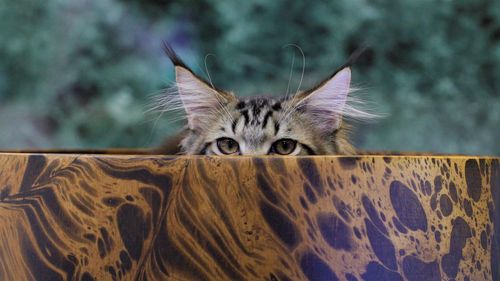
column 79, row 73
column 78, row 68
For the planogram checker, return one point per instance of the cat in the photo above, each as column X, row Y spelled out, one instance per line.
column 311, row 122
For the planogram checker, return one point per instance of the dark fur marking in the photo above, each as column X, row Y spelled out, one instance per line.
column 233, row 125
column 276, row 106
column 334, row 136
column 276, row 128
column 307, row 148
column 245, row 115
column 240, row 105
column 266, row 119
column 256, row 111
column 205, row 146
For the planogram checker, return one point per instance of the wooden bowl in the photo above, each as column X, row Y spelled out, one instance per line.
column 78, row 216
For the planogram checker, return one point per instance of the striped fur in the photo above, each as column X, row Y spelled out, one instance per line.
column 257, row 123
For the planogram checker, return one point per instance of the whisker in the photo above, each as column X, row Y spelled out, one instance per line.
column 355, row 108
column 206, row 70
column 290, row 76
column 226, row 112
column 289, row 107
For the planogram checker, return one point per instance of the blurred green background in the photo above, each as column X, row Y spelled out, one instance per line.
column 80, row 73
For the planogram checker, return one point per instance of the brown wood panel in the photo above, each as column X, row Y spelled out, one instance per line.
column 140, row 217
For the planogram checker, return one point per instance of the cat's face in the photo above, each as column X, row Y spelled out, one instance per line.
column 259, row 126
column 220, row 123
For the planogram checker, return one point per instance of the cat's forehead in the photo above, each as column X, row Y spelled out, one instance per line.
column 257, row 119
column 260, row 102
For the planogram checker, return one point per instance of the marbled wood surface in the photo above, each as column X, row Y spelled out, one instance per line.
column 118, row 217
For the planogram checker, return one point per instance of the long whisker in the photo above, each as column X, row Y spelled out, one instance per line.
column 221, row 104
column 218, row 110
column 206, row 69
column 287, row 111
column 170, row 101
column 160, row 102
column 153, row 128
column 303, row 68
column 290, row 76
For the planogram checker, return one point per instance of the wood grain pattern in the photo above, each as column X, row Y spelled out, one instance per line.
column 146, row 217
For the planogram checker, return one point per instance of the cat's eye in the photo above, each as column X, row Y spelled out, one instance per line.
column 227, row 146
column 284, row 146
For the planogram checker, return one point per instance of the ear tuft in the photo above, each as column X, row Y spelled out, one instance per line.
column 172, row 55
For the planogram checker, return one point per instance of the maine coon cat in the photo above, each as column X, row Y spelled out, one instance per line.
column 220, row 123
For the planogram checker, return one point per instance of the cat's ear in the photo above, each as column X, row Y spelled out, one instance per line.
column 201, row 101
column 325, row 104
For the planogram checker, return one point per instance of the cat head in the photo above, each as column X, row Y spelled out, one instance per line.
column 307, row 123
